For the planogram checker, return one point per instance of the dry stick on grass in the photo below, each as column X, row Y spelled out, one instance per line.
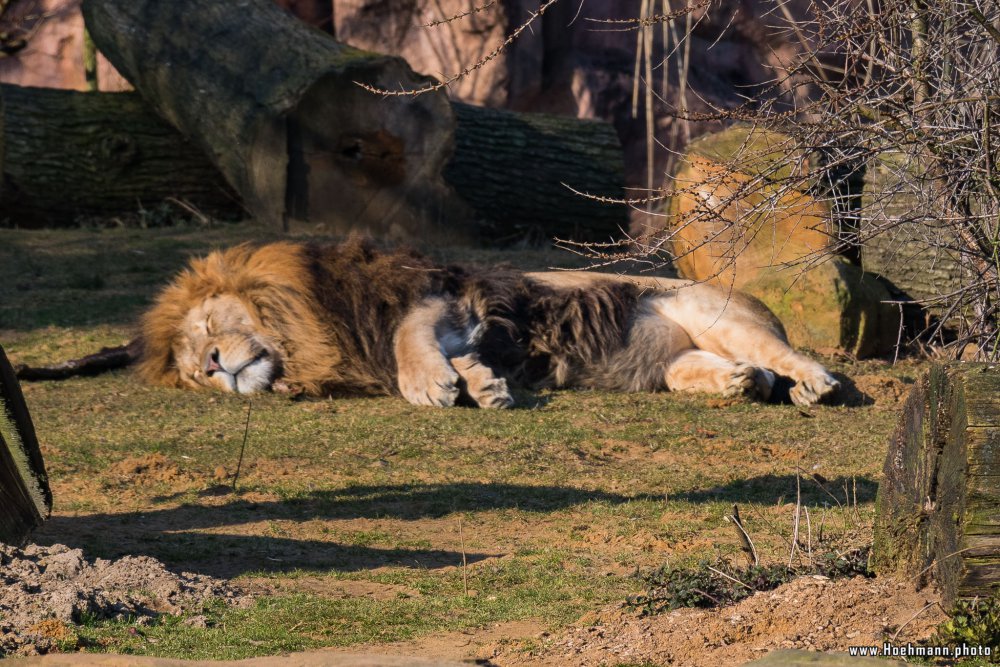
column 246, row 432
column 795, row 522
column 732, row 579
column 748, row 547
column 809, row 537
column 465, row 564
column 911, row 618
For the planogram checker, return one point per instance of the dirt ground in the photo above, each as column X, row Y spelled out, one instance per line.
column 810, row 613
column 46, row 591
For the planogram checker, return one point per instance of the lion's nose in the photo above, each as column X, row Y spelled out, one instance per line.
column 212, row 363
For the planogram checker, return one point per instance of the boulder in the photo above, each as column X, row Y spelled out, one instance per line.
column 739, row 219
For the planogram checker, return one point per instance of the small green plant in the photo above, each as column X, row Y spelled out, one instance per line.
column 721, row 584
column 973, row 622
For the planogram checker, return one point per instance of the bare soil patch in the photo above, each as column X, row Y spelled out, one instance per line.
column 812, row 613
column 45, row 591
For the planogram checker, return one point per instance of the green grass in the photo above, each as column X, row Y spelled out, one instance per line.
column 559, row 502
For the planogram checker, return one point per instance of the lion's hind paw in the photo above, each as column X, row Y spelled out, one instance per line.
column 750, row 381
column 814, row 388
column 494, row 394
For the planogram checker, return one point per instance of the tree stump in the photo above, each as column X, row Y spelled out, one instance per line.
column 938, row 506
column 25, row 499
column 275, row 105
column 65, row 154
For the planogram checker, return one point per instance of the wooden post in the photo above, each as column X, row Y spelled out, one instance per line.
column 25, row 499
column 938, row 507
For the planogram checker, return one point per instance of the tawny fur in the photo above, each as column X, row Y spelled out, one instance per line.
column 352, row 319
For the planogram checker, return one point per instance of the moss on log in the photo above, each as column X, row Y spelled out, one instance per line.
column 25, row 499
column 276, row 105
column 65, row 154
column 938, row 507
column 516, row 171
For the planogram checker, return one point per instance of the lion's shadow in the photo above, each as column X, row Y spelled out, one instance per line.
column 244, row 535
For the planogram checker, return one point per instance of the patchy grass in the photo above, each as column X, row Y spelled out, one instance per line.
column 555, row 506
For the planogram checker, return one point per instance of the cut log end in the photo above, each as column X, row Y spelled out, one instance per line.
column 938, row 507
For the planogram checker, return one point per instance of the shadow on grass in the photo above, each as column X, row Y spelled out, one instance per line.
column 243, row 537
column 770, row 489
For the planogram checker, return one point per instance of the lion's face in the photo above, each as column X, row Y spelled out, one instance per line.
column 220, row 346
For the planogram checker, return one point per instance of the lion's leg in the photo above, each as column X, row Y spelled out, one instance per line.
column 698, row 370
column 480, row 383
column 425, row 375
column 741, row 329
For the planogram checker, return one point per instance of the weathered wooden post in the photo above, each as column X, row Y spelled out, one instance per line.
column 25, row 499
column 938, row 507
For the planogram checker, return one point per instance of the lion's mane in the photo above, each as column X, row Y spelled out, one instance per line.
column 335, row 310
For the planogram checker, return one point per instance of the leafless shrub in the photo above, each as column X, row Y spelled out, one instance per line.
column 909, row 86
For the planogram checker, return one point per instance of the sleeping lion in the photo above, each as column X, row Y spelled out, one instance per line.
column 353, row 319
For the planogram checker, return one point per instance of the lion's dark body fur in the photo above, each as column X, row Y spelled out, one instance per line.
column 531, row 333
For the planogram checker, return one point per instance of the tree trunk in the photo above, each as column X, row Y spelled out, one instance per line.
column 938, row 507
column 276, row 106
column 25, row 499
column 65, row 154
column 917, row 256
column 514, row 169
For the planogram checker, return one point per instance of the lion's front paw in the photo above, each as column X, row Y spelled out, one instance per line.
column 494, row 394
column 750, row 381
column 437, row 389
column 813, row 388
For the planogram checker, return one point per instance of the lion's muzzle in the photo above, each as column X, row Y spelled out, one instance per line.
column 242, row 369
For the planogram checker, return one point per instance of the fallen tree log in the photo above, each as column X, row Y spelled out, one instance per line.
column 516, row 171
column 65, row 155
column 938, row 506
column 25, row 498
column 108, row 153
column 276, row 106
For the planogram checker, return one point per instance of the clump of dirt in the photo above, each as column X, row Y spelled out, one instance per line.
column 46, row 590
column 813, row 613
column 154, row 467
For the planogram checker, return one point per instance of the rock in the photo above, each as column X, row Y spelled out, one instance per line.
column 831, row 305
column 770, row 240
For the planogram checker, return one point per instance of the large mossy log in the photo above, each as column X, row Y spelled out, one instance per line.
column 938, row 507
column 275, row 105
column 516, row 171
column 109, row 153
column 25, row 499
column 917, row 255
column 66, row 155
